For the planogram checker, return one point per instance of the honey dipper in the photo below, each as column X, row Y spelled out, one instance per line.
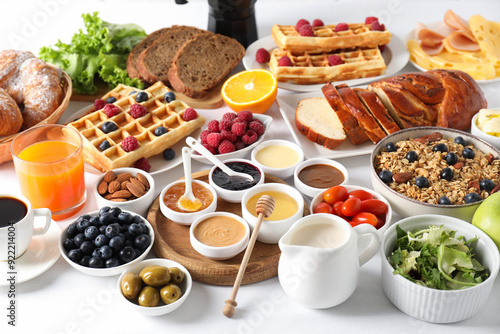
column 264, row 208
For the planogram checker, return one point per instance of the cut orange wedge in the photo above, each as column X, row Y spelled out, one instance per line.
column 253, row 90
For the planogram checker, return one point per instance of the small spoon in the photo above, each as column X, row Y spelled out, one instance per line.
column 212, row 158
column 187, row 201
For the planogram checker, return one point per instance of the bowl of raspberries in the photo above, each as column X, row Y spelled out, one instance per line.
column 233, row 136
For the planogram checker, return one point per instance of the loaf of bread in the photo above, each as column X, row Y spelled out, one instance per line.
column 11, row 119
column 373, row 104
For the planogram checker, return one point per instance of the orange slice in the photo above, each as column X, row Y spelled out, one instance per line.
column 253, row 90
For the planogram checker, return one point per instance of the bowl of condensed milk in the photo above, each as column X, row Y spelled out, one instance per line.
column 314, row 176
column 277, row 157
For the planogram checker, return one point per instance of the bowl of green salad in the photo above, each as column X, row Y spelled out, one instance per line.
column 438, row 269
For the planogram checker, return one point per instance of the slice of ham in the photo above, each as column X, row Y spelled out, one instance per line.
column 455, row 21
column 427, row 34
column 430, row 47
column 430, row 41
column 463, row 41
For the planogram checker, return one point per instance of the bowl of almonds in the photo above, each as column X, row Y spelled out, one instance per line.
column 131, row 189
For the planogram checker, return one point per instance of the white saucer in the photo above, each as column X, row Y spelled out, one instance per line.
column 42, row 253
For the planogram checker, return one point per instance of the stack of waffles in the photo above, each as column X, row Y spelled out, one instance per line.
column 159, row 113
column 357, row 46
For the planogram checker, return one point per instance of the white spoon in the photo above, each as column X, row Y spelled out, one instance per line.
column 188, row 201
column 212, row 158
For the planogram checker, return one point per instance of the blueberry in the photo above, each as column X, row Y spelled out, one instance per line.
column 101, row 240
column 82, row 224
column 72, row 230
column 486, row 184
column 468, row 153
column 447, row 174
column 411, row 156
column 472, row 197
column 91, row 232
column 441, row 147
column 103, row 210
column 168, row 154
column 96, row 252
column 443, row 200
column 124, row 218
column 135, row 229
column 69, row 244
column 78, row 239
column 132, row 92
column 115, row 211
column 112, row 230
column 161, row 130
column 113, row 262
column 87, row 247
column 169, row 96
column 104, row 145
column 102, row 229
column 390, row 147
column 108, row 127
column 96, row 262
column 141, row 97
column 145, row 228
column 137, row 219
column 85, row 261
column 385, row 176
column 116, row 243
column 105, row 252
column 75, row 255
column 107, row 218
column 451, row 158
column 111, row 99
column 94, row 221
column 460, row 141
column 142, row 241
column 127, row 254
column 422, row 182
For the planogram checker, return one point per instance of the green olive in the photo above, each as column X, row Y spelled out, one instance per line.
column 149, row 297
column 155, row 275
column 176, row 275
column 170, row 293
column 131, row 285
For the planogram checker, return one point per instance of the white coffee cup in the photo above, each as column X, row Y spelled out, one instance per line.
column 15, row 236
column 320, row 259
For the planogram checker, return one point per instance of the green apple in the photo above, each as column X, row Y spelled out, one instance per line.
column 487, row 217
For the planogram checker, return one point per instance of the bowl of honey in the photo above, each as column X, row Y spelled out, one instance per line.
column 288, row 208
column 170, row 195
column 278, row 157
column 314, row 176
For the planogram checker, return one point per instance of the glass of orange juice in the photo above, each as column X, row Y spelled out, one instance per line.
column 49, row 165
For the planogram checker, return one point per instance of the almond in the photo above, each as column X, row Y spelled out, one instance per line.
column 474, row 184
column 435, row 136
column 138, row 183
column 402, row 177
column 123, row 177
column 118, row 200
column 135, row 189
column 490, row 158
column 109, row 176
column 458, row 165
column 497, row 188
column 121, row 194
column 102, row 188
column 123, row 186
column 113, row 186
column 143, row 179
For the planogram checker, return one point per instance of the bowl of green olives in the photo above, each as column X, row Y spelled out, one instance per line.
column 155, row 287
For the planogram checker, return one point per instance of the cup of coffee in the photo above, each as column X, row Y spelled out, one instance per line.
column 17, row 225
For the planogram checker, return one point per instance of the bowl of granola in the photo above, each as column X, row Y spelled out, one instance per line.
column 431, row 170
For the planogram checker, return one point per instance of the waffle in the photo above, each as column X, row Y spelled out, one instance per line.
column 159, row 113
column 314, row 68
column 326, row 39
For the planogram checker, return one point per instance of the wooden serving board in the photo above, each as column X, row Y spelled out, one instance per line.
column 172, row 242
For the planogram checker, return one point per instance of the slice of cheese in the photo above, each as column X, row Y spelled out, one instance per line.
column 487, row 34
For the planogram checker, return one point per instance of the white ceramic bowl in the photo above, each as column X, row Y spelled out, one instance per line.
column 240, row 154
column 139, row 205
column 223, row 252
column 272, row 230
column 282, row 172
column 433, row 305
column 407, row 207
column 388, row 217
column 106, row 271
column 493, row 140
column 186, row 218
column 162, row 309
column 312, row 191
column 233, row 196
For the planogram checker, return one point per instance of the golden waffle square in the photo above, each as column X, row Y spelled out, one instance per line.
column 159, row 113
column 315, row 69
column 325, row 38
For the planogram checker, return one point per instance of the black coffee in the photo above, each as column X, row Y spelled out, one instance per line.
column 12, row 210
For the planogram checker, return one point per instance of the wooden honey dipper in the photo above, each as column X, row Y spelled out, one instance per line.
column 264, row 208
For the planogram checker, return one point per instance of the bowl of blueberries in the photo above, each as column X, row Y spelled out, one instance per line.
column 106, row 242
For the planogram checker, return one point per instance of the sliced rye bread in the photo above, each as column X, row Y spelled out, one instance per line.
column 351, row 126
column 316, row 120
column 203, row 62
column 154, row 62
column 373, row 104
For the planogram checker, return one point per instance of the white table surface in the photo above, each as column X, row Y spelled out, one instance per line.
column 63, row 300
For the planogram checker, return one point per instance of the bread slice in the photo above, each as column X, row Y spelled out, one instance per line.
column 203, row 62
column 373, row 104
column 154, row 62
column 351, row 126
column 316, row 120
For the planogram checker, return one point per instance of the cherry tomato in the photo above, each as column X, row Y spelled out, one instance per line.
column 365, row 217
column 380, row 222
column 335, row 194
column 361, row 194
column 351, row 206
column 337, row 209
column 323, row 207
column 375, row 206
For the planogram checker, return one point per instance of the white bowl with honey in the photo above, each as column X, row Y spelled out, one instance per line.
column 288, row 208
column 278, row 157
column 314, row 176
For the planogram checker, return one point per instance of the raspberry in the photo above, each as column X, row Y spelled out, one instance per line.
column 334, row 60
column 226, row 147
column 228, row 135
column 239, row 145
column 213, row 126
column 306, row 30
column 317, row 23
column 249, row 137
column 189, row 114
column 300, row 23
column 257, row 126
column 341, row 27
column 203, row 136
column 111, row 110
column 129, row 144
column 370, row 19
column 143, row 164
column 137, row 110
column 245, row 116
column 229, row 116
column 99, row 104
column 211, row 149
column 214, row 139
column 239, row 128
column 262, row 56
column 376, row 26
column 381, row 48
column 284, row 61
column 225, row 125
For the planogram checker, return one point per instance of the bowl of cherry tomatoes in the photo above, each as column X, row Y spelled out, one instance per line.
column 357, row 205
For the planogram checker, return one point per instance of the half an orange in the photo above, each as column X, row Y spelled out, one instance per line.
column 253, row 90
